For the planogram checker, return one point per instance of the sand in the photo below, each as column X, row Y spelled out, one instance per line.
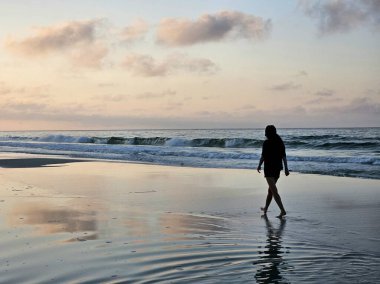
column 107, row 222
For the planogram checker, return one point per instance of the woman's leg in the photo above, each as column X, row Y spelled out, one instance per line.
column 273, row 188
column 268, row 201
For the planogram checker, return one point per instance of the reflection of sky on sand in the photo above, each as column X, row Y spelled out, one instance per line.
column 139, row 225
column 191, row 224
column 50, row 219
column 271, row 260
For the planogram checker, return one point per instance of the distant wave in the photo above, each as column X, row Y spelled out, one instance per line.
column 334, row 160
column 153, row 141
column 307, row 142
column 347, row 145
column 316, row 137
column 64, row 139
column 150, row 150
column 130, row 150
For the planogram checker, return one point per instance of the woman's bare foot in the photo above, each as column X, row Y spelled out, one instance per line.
column 264, row 210
column 282, row 214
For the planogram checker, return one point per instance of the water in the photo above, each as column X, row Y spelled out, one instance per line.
column 123, row 223
column 353, row 152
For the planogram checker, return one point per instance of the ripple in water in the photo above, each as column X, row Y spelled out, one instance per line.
column 189, row 248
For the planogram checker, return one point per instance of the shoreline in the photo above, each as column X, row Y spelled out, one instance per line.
column 26, row 160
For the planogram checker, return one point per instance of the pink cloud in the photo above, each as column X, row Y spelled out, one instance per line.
column 136, row 31
column 286, row 86
column 146, row 65
column 212, row 27
column 338, row 16
column 76, row 39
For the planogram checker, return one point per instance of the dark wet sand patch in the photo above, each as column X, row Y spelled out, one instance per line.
column 34, row 162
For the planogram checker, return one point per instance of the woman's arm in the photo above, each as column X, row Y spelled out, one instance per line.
column 285, row 165
column 263, row 153
column 285, row 161
column 260, row 163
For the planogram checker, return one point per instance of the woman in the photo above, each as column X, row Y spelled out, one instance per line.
column 272, row 156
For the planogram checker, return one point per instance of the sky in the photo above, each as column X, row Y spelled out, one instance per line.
column 161, row 64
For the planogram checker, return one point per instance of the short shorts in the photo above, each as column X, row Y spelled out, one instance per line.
column 272, row 173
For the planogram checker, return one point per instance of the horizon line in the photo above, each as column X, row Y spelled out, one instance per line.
column 158, row 129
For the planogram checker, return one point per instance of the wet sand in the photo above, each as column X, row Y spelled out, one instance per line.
column 106, row 222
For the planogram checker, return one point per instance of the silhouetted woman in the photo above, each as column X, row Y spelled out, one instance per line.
column 272, row 156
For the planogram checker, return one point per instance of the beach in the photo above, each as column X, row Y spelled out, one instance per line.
column 66, row 220
column 131, row 133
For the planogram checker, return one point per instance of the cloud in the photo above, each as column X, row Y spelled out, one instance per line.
column 339, row 16
column 78, row 119
column 146, row 65
column 89, row 56
column 325, row 100
column 173, row 106
column 76, row 39
column 302, row 73
column 363, row 105
column 325, row 93
column 26, row 107
column 136, row 31
column 372, row 92
column 286, row 86
column 4, row 90
column 151, row 95
column 325, row 97
column 106, row 85
column 203, row 113
column 55, row 38
column 146, row 95
column 247, row 107
column 359, row 112
column 212, row 27
column 30, row 92
column 111, row 98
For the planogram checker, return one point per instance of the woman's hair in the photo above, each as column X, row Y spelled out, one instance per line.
column 271, row 132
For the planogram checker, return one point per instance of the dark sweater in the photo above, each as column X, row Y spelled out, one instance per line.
column 273, row 152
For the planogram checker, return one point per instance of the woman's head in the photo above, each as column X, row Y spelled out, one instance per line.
column 270, row 131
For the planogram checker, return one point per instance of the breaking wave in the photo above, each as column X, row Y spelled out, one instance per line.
column 309, row 142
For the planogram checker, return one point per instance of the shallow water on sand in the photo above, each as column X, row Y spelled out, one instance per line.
column 117, row 223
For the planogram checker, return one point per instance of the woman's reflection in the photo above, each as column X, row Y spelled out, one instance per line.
column 271, row 259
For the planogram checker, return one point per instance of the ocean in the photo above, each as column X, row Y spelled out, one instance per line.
column 349, row 152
